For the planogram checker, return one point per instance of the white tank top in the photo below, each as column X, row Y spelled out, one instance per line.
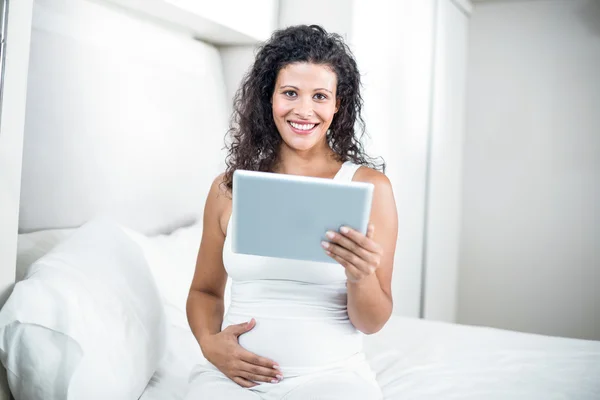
column 300, row 307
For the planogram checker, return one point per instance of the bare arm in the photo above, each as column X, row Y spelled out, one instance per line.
column 369, row 259
column 205, row 303
column 205, row 300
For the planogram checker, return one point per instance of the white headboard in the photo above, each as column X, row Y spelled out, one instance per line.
column 124, row 118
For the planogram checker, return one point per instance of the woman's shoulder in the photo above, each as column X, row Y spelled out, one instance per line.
column 370, row 175
column 218, row 202
column 219, row 187
column 384, row 203
column 219, row 195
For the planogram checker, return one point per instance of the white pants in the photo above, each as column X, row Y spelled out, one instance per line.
column 343, row 383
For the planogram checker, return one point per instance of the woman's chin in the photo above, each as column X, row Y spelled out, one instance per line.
column 303, row 143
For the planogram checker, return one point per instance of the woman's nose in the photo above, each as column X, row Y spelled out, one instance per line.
column 304, row 109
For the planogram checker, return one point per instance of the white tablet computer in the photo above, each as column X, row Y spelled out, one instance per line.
column 287, row 216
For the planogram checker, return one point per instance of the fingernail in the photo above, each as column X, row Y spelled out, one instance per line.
column 325, row 244
column 344, row 229
column 330, row 234
column 276, row 367
column 280, row 377
column 274, row 381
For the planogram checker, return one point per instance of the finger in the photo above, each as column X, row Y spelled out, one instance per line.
column 363, row 241
column 242, row 328
column 352, row 246
column 353, row 273
column 350, row 257
column 259, row 378
column 258, row 370
column 252, row 358
column 243, row 382
column 371, row 231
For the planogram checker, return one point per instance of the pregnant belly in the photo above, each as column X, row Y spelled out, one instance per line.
column 299, row 345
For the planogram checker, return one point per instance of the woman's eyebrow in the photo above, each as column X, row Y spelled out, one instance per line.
column 295, row 88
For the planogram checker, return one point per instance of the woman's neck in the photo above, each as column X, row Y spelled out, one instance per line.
column 318, row 163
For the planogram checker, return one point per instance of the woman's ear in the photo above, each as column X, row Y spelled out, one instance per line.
column 337, row 105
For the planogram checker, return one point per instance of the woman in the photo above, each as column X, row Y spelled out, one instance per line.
column 294, row 329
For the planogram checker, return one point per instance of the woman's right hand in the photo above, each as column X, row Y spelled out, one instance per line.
column 244, row 368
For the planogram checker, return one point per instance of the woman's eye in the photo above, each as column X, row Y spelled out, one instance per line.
column 320, row 96
column 290, row 93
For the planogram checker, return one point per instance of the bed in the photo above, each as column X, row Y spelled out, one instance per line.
column 413, row 358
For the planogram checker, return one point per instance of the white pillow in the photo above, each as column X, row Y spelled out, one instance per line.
column 33, row 246
column 172, row 259
column 87, row 321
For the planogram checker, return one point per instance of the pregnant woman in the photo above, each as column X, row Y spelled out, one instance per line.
column 294, row 329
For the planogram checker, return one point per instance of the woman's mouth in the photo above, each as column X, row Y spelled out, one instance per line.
column 302, row 128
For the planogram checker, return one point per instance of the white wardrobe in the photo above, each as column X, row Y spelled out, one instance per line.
column 419, row 129
column 445, row 155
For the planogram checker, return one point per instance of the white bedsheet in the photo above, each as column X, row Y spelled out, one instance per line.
column 417, row 359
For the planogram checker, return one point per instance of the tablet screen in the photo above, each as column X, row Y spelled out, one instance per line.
column 265, row 205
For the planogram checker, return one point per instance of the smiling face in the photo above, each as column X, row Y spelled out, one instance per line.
column 304, row 103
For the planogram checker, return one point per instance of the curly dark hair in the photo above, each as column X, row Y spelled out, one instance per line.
column 255, row 140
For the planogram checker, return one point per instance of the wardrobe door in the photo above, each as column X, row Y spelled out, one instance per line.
column 409, row 86
column 15, row 28
column 443, row 199
column 16, row 33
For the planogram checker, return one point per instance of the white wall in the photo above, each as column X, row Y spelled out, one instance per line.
column 333, row 15
column 236, row 61
column 530, row 256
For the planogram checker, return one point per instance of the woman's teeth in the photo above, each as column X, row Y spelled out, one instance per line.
column 302, row 127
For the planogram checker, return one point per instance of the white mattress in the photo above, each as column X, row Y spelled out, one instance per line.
column 417, row 359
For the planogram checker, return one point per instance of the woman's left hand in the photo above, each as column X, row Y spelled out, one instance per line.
column 359, row 254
